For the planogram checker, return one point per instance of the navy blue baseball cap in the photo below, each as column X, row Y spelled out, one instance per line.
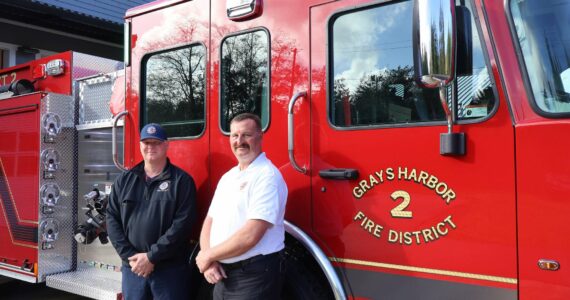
column 153, row 131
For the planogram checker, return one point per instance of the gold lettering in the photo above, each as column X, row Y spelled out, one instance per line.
column 423, row 177
column 438, row 189
column 373, row 181
column 412, row 175
column 407, row 238
column 357, row 192
column 431, row 182
column 434, row 232
column 380, row 176
column 417, row 234
column 427, row 235
column 392, row 236
column 443, row 231
column 369, row 225
column 448, row 220
column 377, row 230
column 448, row 196
column 390, row 174
column 364, row 186
column 359, row 215
column 402, row 173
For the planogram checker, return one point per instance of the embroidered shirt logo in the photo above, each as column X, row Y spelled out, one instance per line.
column 163, row 187
column 242, row 185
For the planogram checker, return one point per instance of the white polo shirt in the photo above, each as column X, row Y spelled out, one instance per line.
column 258, row 192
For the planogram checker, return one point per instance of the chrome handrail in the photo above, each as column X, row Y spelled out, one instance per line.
column 114, row 140
column 291, row 135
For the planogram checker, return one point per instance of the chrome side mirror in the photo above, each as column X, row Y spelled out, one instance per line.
column 434, row 42
column 434, row 36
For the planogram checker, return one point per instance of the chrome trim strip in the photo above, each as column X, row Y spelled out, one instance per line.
column 425, row 270
column 320, row 257
column 29, row 277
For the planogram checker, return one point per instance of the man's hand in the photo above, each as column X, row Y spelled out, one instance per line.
column 204, row 260
column 140, row 264
column 215, row 273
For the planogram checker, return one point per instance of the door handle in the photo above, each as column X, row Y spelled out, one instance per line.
column 339, row 174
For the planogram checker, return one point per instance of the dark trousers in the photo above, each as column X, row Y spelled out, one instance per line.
column 258, row 278
column 164, row 283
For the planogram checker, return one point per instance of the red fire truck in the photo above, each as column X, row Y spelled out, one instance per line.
column 421, row 141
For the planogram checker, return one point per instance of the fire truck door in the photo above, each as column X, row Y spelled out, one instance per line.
column 391, row 209
column 171, row 50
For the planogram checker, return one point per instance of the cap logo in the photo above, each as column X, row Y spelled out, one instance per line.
column 151, row 130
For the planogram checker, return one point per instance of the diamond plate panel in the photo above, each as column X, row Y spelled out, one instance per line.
column 58, row 220
column 93, row 79
column 94, row 97
column 89, row 282
column 85, row 65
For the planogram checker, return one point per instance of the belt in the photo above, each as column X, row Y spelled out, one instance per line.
column 247, row 261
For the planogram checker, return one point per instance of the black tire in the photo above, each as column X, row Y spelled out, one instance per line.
column 304, row 279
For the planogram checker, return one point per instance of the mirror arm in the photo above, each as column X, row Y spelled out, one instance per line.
column 446, row 108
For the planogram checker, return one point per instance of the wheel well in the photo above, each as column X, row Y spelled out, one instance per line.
column 305, row 251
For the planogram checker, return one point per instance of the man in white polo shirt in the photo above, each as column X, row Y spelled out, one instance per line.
column 243, row 233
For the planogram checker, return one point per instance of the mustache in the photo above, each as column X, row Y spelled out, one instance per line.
column 242, row 146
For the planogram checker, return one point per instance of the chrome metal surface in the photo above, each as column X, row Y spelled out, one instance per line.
column 114, row 140
column 55, row 245
column 49, row 193
column 51, row 124
column 96, row 170
column 548, row 264
column 320, row 257
column 434, row 42
column 291, row 134
column 89, row 282
column 27, row 277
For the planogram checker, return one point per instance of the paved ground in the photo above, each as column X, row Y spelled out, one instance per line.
column 20, row 290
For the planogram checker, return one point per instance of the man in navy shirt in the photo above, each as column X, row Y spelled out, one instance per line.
column 149, row 218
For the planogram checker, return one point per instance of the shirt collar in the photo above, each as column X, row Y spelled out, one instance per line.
column 258, row 161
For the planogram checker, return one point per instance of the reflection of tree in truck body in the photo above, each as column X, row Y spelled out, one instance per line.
column 244, row 65
column 176, row 89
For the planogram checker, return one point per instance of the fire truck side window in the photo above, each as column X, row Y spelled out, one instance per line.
column 244, row 77
column 371, row 71
column 174, row 90
column 542, row 31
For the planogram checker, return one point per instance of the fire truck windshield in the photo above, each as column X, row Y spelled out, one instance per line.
column 542, row 30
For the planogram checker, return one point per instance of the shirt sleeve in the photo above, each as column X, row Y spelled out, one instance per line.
column 179, row 232
column 264, row 199
column 115, row 225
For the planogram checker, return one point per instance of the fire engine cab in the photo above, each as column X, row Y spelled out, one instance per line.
column 422, row 141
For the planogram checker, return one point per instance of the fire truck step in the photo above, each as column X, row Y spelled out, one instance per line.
column 88, row 282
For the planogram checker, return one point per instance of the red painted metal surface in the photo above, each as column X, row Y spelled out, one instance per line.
column 483, row 212
column 19, row 163
column 163, row 29
column 499, row 184
column 542, row 170
column 60, row 84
